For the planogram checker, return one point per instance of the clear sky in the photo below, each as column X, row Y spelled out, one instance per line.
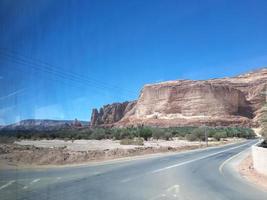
column 59, row 59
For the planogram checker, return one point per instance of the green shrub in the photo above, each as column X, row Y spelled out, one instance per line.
column 126, row 133
column 116, row 133
column 181, row 131
column 220, row 134
column 199, row 133
column 145, row 132
column 167, row 135
column 157, row 133
column 191, row 133
column 263, row 122
column 191, row 137
column 98, row 134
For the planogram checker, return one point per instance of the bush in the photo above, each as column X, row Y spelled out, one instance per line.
column 199, row 133
column 191, row 133
column 181, row 131
column 167, row 135
column 98, row 134
column 220, row 134
column 126, row 133
column 116, row 134
column 191, row 137
column 157, row 133
column 263, row 122
column 145, row 132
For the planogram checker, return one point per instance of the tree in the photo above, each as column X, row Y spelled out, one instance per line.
column 199, row 133
column 157, row 133
column 263, row 122
column 191, row 137
column 98, row 134
column 145, row 132
column 220, row 134
column 196, row 134
column 167, row 135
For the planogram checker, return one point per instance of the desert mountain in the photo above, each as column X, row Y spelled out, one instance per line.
column 215, row 102
column 41, row 125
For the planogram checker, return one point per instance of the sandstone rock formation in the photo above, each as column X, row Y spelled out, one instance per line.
column 214, row 102
column 77, row 124
column 110, row 114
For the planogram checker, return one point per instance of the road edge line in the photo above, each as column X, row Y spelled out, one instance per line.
column 232, row 157
column 200, row 158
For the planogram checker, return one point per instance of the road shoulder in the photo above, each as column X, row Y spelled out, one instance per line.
column 247, row 171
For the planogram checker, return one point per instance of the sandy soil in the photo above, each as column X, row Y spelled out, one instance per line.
column 257, row 131
column 59, row 152
column 247, row 170
column 87, row 145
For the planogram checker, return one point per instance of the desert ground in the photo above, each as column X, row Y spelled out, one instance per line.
column 34, row 153
column 247, row 170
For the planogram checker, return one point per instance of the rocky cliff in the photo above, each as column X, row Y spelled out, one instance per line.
column 111, row 113
column 215, row 102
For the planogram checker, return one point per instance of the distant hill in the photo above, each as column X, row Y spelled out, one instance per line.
column 40, row 125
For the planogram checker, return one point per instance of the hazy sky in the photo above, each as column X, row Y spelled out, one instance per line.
column 59, row 59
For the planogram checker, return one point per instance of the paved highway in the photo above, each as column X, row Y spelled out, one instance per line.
column 194, row 175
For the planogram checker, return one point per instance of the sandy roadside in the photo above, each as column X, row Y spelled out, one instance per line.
column 247, row 170
column 59, row 153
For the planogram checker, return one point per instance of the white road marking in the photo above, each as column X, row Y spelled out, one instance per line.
column 229, row 159
column 31, row 183
column 126, row 180
column 35, row 181
column 183, row 163
column 197, row 159
column 6, row 185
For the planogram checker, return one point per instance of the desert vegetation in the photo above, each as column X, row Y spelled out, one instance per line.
column 263, row 122
column 84, row 144
column 146, row 133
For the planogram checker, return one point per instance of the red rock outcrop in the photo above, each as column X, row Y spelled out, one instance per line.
column 111, row 113
column 214, row 102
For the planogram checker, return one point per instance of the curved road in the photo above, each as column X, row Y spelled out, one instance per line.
column 193, row 175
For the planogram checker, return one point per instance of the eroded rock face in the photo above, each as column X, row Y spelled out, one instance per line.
column 215, row 102
column 191, row 99
column 111, row 113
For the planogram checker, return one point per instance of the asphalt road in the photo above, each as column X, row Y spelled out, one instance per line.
column 194, row 175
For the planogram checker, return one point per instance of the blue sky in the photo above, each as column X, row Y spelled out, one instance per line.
column 60, row 59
